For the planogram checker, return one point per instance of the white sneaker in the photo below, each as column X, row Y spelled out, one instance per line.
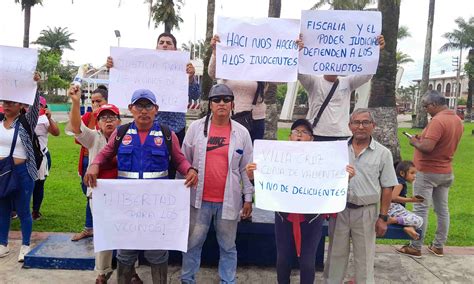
column 24, row 250
column 4, row 251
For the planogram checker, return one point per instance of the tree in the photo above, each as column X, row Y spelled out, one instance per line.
column 463, row 38
column 344, row 4
column 421, row 118
column 195, row 47
column 26, row 6
column 402, row 57
column 382, row 97
column 270, row 95
column 56, row 39
column 55, row 76
column 165, row 12
column 206, row 82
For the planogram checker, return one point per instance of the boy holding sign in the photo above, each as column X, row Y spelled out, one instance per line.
column 293, row 231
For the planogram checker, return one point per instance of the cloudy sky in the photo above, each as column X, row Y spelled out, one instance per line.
column 93, row 22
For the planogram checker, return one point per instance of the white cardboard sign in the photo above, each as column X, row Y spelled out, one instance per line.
column 161, row 71
column 140, row 214
column 340, row 42
column 301, row 177
column 262, row 49
column 17, row 68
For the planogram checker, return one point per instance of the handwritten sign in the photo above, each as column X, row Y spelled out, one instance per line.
column 17, row 67
column 257, row 49
column 340, row 42
column 140, row 214
column 301, row 177
column 161, row 71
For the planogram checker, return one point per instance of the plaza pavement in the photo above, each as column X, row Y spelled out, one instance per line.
column 457, row 266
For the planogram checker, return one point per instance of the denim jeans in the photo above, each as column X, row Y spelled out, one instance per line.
column 88, row 224
column 38, row 192
column 21, row 200
column 226, row 231
column 434, row 188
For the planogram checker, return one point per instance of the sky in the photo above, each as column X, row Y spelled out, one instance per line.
column 93, row 22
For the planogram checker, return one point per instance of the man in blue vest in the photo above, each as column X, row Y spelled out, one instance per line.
column 142, row 153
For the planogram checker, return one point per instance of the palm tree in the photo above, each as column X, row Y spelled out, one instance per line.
column 271, row 116
column 382, row 97
column 344, row 4
column 26, row 6
column 56, row 39
column 463, row 38
column 206, row 82
column 165, row 12
column 402, row 58
column 195, row 47
column 421, row 118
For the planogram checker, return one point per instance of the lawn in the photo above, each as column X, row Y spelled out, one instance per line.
column 64, row 204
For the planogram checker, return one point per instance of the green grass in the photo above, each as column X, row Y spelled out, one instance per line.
column 64, row 204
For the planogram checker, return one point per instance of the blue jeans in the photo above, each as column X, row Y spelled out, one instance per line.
column 88, row 224
column 226, row 231
column 21, row 200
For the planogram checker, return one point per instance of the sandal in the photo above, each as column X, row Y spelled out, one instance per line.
column 86, row 233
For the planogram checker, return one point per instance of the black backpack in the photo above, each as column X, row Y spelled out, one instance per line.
column 122, row 130
column 34, row 139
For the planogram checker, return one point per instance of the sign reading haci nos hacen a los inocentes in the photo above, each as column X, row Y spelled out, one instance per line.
column 262, row 49
column 340, row 42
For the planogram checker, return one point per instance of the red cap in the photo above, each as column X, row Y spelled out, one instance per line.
column 109, row 107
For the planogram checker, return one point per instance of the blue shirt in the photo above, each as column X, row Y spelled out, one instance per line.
column 177, row 120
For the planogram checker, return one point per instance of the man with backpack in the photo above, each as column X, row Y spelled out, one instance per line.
column 142, row 152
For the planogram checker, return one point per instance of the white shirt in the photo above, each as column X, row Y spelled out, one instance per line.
column 6, row 140
column 335, row 118
column 41, row 131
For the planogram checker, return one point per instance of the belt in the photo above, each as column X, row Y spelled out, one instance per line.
column 146, row 175
column 355, row 206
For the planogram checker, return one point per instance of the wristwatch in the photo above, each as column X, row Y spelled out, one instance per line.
column 383, row 217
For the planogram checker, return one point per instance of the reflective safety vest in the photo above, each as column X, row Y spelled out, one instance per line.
column 147, row 161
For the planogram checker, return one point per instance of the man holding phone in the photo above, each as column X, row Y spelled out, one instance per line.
column 434, row 151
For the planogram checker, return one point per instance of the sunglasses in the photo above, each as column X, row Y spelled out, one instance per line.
column 225, row 99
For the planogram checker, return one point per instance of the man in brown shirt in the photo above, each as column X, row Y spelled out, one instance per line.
column 434, row 151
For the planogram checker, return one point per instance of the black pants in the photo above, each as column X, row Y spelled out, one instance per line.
column 172, row 168
column 311, row 231
column 329, row 138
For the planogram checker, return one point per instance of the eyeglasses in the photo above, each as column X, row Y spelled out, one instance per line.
column 226, row 99
column 426, row 105
column 105, row 118
column 141, row 107
column 300, row 132
column 364, row 123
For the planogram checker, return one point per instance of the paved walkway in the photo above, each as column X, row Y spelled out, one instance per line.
column 457, row 266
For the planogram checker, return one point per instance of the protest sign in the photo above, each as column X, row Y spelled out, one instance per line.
column 340, row 42
column 161, row 71
column 140, row 214
column 301, row 177
column 257, row 49
column 17, row 68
